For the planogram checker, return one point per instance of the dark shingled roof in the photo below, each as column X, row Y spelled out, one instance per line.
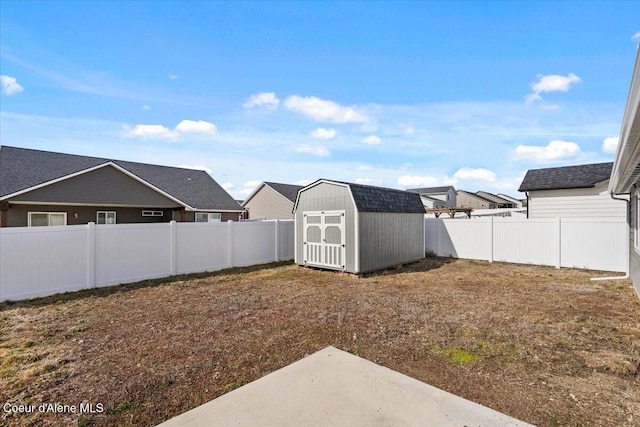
column 379, row 199
column 289, row 191
column 23, row 168
column 430, row 190
column 581, row 176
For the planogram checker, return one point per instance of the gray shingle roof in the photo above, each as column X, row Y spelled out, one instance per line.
column 289, row 191
column 379, row 199
column 23, row 168
column 431, row 190
column 581, row 176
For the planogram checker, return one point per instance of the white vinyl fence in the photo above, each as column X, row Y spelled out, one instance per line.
column 43, row 261
column 589, row 243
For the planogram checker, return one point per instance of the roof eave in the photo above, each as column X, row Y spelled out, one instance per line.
column 628, row 152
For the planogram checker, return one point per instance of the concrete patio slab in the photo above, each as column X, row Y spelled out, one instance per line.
column 335, row 388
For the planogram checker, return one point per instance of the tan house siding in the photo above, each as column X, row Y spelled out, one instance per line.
column 577, row 202
column 467, row 201
column 269, row 204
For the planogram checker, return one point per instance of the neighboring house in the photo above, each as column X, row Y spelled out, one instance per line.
column 499, row 201
column 625, row 174
column 357, row 228
column 473, row 200
column 445, row 194
column 571, row 191
column 271, row 200
column 431, row 202
column 40, row 188
column 518, row 203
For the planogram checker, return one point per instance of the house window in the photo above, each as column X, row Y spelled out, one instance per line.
column 152, row 213
column 106, row 217
column 208, row 217
column 45, row 219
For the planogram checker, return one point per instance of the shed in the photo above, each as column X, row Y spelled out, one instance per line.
column 357, row 228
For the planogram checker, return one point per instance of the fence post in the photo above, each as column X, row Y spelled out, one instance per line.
column 91, row 255
column 558, row 241
column 230, row 224
column 491, row 239
column 277, row 240
column 172, row 248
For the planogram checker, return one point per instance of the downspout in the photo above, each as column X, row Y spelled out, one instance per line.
column 626, row 276
column 527, row 194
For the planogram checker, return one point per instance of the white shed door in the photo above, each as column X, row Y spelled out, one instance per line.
column 323, row 242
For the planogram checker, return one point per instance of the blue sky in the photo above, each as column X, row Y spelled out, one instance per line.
column 400, row 95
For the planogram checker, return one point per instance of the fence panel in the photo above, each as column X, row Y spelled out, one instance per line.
column 286, row 240
column 457, row 238
column 42, row 261
column 604, row 247
column 253, row 243
column 131, row 252
column 201, row 247
column 525, row 241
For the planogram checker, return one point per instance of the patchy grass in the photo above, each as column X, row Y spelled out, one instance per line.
column 546, row 346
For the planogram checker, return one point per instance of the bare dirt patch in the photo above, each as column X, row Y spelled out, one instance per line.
column 546, row 346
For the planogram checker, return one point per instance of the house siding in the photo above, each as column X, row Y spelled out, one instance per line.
column 388, row 239
column 468, row 201
column 104, row 186
column 327, row 197
column 269, row 204
column 17, row 215
column 634, row 256
column 577, row 203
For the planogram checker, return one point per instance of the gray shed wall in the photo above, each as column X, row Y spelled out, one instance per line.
column 634, row 258
column 103, row 186
column 328, row 197
column 388, row 239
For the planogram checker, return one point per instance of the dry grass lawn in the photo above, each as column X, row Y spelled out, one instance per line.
column 546, row 346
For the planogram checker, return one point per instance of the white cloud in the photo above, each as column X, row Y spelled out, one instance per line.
column 418, row 181
column 372, row 140
column 367, row 181
column 406, row 129
column 324, row 111
column 322, row 133
column 173, row 76
column 196, row 167
column 264, row 99
column 252, row 184
column 363, row 168
column 554, row 151
column 146, row 107
column 152, row 132
column 636, row 37
column 551, row 83
column 319, row 151
column 10, row 85
column 227, row 186
column 478, row 174
column 200, row 126
column 610, row 145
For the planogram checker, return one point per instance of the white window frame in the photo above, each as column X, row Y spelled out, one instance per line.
column 152, row 213
column 48, row 218
column 105, row 217
column 210, row 216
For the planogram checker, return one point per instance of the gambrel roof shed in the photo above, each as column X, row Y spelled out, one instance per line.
column 357, row 228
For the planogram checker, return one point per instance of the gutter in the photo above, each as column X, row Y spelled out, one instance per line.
column 626, row 276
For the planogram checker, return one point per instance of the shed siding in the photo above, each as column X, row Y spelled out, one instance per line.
column 578, row 202
column 327, row 197
column 269, row 204
column 104, row 186
column 388, row 239
column 634, row 257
